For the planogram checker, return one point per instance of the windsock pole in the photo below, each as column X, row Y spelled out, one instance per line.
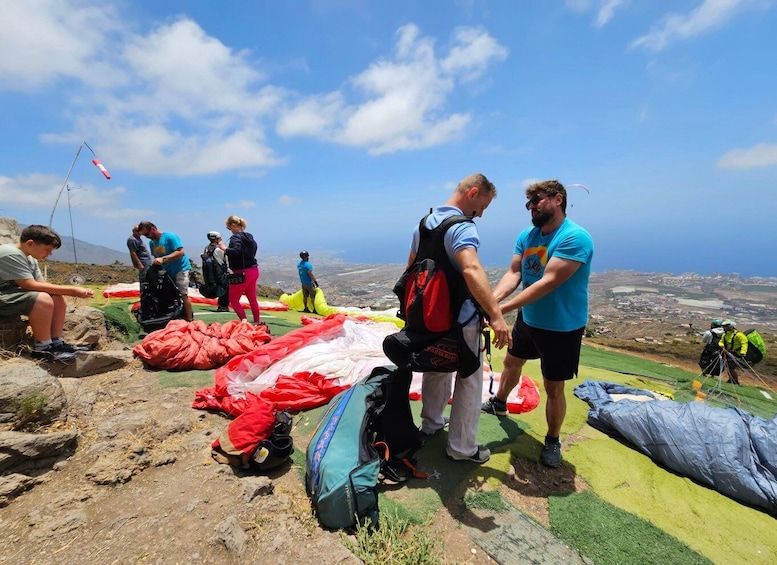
column 97, row 164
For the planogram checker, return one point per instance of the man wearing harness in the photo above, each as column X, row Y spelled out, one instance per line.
column 471, row 197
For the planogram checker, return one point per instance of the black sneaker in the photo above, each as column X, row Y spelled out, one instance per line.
column 222, row 309
column 494, row 406
column 68, row 348
column 51, row 353
column 551, row 455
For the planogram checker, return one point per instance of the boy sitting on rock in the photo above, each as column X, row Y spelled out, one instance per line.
column 24, row 292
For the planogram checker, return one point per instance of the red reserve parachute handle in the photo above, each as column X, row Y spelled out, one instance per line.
column 103, row 170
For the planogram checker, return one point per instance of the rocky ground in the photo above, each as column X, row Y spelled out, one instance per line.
column 142, row 487
column 139, row 485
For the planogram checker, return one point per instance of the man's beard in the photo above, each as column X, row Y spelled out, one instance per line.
column 541, row 218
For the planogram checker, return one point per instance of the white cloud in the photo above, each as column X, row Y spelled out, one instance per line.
column 311, row 117
column 711, row 14
column 241, row 204
column 605, row 9
column 761, row 155
column 44, row 40
column 39, row 192
column 473, row 52
column 286, row 200
column 177, row 101
column 404, row 97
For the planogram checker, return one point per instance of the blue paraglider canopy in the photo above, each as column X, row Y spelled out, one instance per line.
column 728, row 449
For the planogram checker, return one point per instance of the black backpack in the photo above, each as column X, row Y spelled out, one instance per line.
column 431, row 293
column 214, row 275
column 160, row 300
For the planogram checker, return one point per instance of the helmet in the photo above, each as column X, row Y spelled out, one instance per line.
column 729, row 323
column 716, row 323
column 214, row 235
column 303, row 254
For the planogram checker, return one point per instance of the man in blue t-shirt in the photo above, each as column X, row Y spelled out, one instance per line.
column 167, row 250
column 553, row 261
column 308, row 281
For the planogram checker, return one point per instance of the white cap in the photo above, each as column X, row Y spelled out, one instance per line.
column 214, row 235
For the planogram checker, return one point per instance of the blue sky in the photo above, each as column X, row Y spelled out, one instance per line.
column 335, row 125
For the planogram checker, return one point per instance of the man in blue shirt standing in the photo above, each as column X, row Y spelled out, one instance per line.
column 308, row 281
column 167, row 249
column 553, row 261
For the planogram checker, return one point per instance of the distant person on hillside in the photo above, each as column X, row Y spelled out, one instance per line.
column 24, row 292
column 241, row 255
column 308, row 281
column 219, row 274
column 709, row 360
column 553, row 261
column 168, row 253
column 461, row 242
column 735, row 343
column 141, row 258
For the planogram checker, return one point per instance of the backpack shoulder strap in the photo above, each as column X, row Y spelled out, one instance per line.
column 431, row 245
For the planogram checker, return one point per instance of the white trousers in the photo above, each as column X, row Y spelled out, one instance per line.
column 465, row 408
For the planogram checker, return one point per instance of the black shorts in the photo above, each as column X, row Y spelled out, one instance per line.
column 558, row 352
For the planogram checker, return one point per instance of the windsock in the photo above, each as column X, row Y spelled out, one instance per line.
column 103, row 170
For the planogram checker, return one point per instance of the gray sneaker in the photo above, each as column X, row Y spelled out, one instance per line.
column 494, row 406
column 551, row 455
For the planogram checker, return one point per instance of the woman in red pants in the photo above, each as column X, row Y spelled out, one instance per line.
column 241, row 254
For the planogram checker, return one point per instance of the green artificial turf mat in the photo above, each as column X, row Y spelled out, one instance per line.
column 704, row 519
column 611, row 536
column 193, row 378
column 624, row 363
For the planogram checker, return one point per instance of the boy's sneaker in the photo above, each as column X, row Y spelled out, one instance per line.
column 482, row 455
column 68, row 348
column 551, row 455
column 51, row 353
column 222, row 309
column 494, row 406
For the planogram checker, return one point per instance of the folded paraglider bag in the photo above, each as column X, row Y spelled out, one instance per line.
column 360, row 429
column 272, row 453
column 444, row 352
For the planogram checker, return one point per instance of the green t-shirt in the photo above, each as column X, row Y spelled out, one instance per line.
column 14, row 266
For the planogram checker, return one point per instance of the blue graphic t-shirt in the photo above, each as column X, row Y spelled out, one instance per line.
column 165, row 245
column 566, row 308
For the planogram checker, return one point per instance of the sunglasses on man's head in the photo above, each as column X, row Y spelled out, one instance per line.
column 536, row 199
